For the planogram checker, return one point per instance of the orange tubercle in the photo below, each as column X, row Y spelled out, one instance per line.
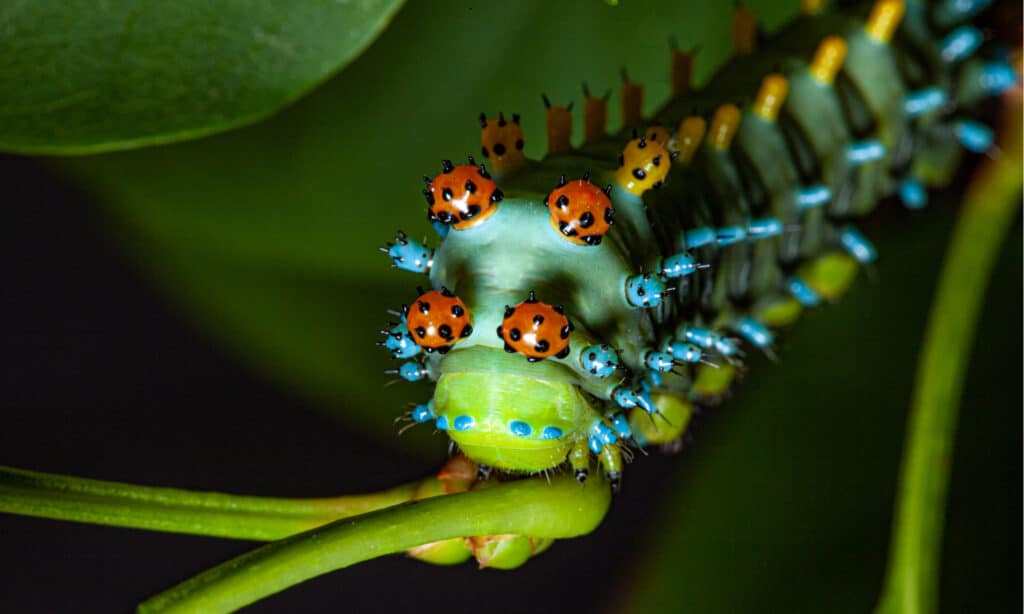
column 536, row 330
column 580, row 211
column 462, row 195
column 437, row 320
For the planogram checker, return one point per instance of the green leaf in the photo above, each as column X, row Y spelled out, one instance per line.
column 558, row 508
column 79, row 76
column 47, row 495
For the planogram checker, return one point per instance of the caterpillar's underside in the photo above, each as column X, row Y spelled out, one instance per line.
column 590, row 298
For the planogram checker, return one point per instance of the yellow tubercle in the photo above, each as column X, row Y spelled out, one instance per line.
column 885, row 17
column 690, row 134
column 659, row 135
column 501, row 142
column 644, row 165
column 723, row 126
column 744, row 31
column 828, row 59
column 559, row 127
column 771, row 97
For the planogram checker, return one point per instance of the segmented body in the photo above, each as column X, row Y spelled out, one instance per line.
column 628, row 274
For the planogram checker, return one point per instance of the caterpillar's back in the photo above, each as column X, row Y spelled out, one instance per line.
column 584, row 302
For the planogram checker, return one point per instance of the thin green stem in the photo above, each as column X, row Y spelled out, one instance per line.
column 61, row 497
column 911, row 585
column 561, row 508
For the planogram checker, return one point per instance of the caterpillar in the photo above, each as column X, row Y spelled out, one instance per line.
column 581, row 305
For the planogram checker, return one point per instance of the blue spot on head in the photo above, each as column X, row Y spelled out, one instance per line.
column 463, row 423
column 520, row 428
column 441, row 423
column 551, row 432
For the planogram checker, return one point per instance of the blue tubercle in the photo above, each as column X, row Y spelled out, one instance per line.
column 912, row 193
column 408, row 254
column 802, row 292
column 961, row 43
column 924, row 101
column 628, row 399
column 974, row 136
column 857, row 245
column 604, row 433
column 644, row 290
column 595, row 445
column 658, row 361
column 997, row 77
column 441, row 423
column 813, row 196
column 764, row 227
column 621, row 426
column 654, row 378
column 698, row 237
column 600, row 360
column 965, row 9
column 442, row 230
column 863, row 152
column 682, row 351
column 680, row 265
column 727, row 235
column 399, row 342
column 709, row 339
column 424, row 413
column 755, row 332
column 410, row 371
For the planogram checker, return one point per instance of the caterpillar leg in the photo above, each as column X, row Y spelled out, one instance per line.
column 611, row 462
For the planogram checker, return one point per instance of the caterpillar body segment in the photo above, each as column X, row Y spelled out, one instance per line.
column 599, row 316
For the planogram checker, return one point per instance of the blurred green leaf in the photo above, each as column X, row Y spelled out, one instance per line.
column 268, row 234
column 81, row 76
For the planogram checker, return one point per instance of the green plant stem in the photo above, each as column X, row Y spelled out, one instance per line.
column 911, row 585
column 61, row 497
column 561, row 508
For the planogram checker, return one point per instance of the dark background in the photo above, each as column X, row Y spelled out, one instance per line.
column 102, row 378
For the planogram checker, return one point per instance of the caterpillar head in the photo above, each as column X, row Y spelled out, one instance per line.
column 501, row 142
column 461, row 195
column 643, row 165
column 507, row 413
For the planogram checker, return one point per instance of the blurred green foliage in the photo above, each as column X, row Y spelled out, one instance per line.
column 81, row 76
